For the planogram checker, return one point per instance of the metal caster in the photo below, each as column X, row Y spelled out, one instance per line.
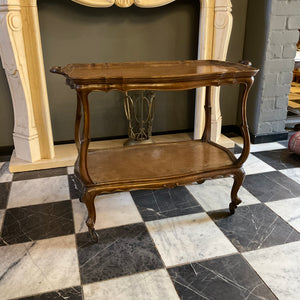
column 94, row 235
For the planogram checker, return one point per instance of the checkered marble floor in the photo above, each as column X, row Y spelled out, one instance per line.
column 176, row 243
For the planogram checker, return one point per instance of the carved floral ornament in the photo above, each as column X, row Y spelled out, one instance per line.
column 123, row 3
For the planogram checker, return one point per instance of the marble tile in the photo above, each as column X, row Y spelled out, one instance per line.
column 215, row 194
column 154, row 285
column 112, row 210
column 4, row 192
column 271, row 186
column 73, row 293
column 289, row 210
column 5, row 175
column 279, row 159
column 70, row 170
column 123, row 250
column 228, row 277
column 165, row 203
column 35, row 222
column 279, row 268
column 262, row 146
column 253, row 227
column 186, row 239
column 74, row 187
column 36, row 191
column 39, row 174
column 2, row 213
column 253, row 165
column 293, row 173
column 266, row 147
column 38, row 267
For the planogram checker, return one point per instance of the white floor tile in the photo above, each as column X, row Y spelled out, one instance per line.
column 5, row 175
column 154, row 285
column 70, row 170
column 215, row 194
column 279, row 267
column 38, row 267
column 259, row 147
column 254, row 165
column 37, row 191
column 288, row 209
column 293, row 173
column 188, row 238
column 2, row 211
column 266, row 147
column 111, row 210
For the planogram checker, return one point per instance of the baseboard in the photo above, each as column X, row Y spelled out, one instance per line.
column 6, row 150
column 268, row 138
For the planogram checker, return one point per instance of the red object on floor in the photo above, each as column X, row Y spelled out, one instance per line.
column 294, row 143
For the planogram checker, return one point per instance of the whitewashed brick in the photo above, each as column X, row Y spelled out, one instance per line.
column 284, row 37
column 275, row 52
column 279, row 65
column 286, row 8
column 273, row 115
column 264, row 128
column 278, row 23
column 289, row 50
column 293, row 22
column 285, row 78
column 281, row 102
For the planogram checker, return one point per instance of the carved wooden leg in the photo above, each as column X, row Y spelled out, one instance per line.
column 239, row 177
column 89, row 198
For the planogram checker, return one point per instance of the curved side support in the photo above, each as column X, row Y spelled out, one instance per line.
column 244, row 127
column 207, row 130
column 239, row 177
column 89, row 199
column 85, row 140
column 77, row 124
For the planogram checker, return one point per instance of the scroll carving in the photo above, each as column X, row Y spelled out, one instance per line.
column 123, row 3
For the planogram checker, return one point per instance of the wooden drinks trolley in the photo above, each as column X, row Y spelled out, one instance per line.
column 161, row 165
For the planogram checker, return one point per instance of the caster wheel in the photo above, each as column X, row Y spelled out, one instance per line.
column 94, row 235
column 200, row 181
column 232, row 208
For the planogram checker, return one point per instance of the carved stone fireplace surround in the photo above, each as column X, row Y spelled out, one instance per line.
column 22, row 58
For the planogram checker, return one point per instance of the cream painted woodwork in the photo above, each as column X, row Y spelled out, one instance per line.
column 22, row 58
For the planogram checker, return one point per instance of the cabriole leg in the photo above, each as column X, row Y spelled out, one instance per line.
column 239, row 177
column 89, row 199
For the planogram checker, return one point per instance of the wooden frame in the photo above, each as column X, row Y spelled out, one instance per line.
column 22, row 58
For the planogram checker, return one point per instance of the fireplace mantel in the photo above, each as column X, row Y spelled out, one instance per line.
column 22, row 58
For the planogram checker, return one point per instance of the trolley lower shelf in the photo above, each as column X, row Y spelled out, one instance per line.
column 153, row 164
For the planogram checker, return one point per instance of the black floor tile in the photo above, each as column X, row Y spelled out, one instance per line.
column 35, row 222
column 254, row 227
column 73, row 293
column 121, row 251
column 222, row 278
column 4, row 193
column 271, row 186
column 39, row 174
column 279, row 159
column 165, row 203
column 74, row 187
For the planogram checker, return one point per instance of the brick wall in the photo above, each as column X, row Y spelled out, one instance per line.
column 278, row 66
